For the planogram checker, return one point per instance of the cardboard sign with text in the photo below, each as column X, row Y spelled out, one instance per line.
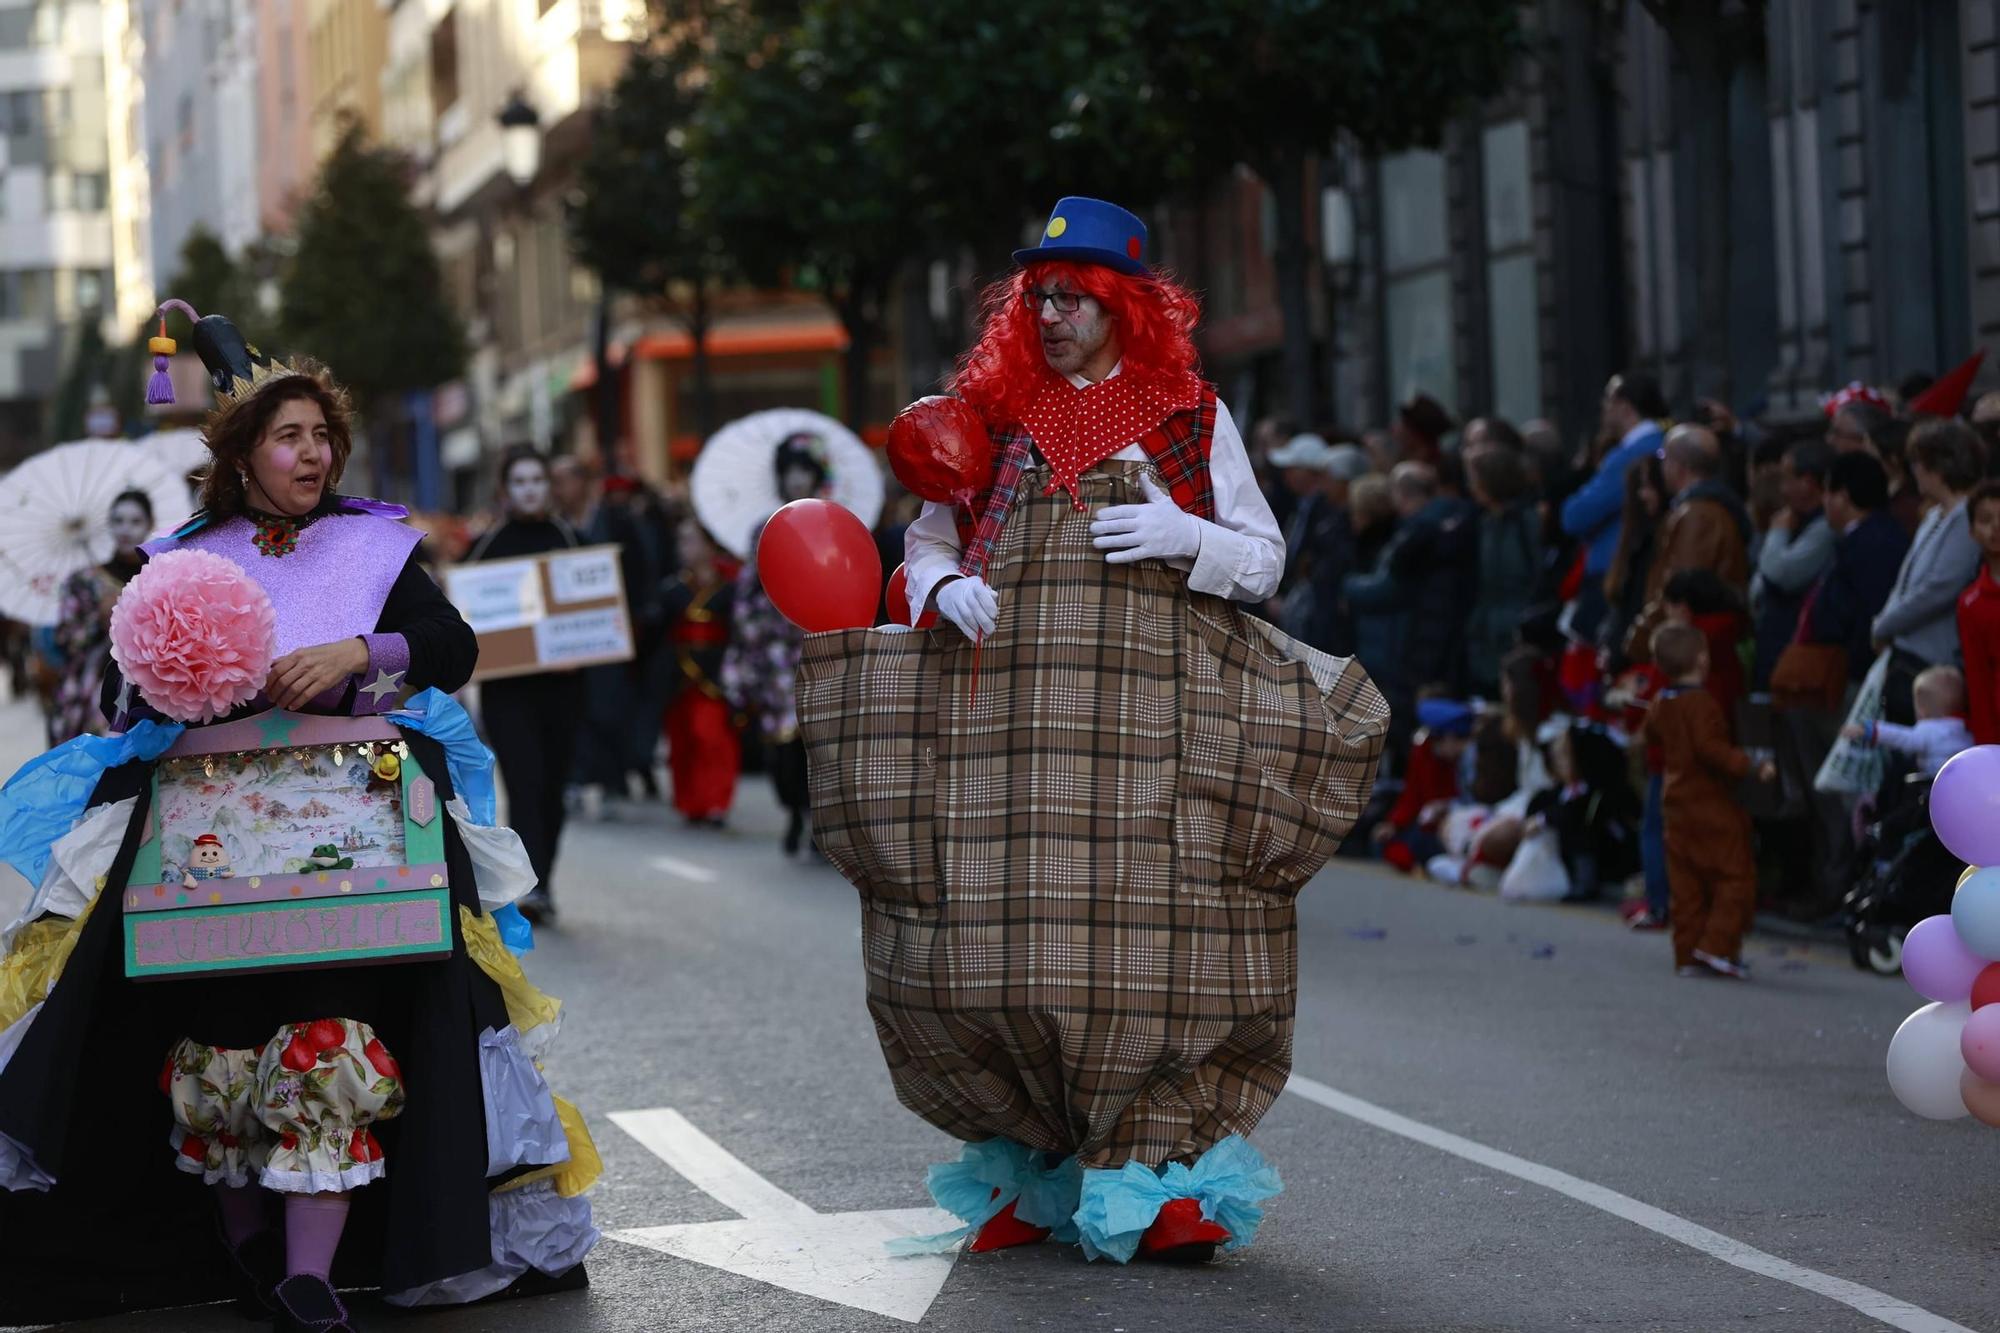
column 544, row 612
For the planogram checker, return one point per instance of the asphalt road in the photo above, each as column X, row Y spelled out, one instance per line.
column 704, row 973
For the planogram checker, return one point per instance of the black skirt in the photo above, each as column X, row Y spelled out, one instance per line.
column 123, row 1228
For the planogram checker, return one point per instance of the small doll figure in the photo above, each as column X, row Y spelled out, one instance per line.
column 326, row 856
column 208, row 860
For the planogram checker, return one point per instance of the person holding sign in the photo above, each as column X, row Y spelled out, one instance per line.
column 532, row 720
column 202, row 976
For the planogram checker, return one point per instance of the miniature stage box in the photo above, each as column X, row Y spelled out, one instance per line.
column 288, row 840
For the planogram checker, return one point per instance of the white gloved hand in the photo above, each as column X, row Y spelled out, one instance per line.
column 1156, row 530
column 969, row 604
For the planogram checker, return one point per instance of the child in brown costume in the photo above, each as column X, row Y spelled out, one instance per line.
column 1711, row 867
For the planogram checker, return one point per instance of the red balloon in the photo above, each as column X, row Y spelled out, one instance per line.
column 1986, row 986
column 898, row 598
column 939, row 450
column 820, row 567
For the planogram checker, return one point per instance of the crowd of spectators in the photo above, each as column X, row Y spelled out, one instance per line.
column 1506, row 593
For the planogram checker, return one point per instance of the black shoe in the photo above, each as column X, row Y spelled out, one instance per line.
column 537, row 906
column 256, row 1265
column 795, row 832
column 309, row 1304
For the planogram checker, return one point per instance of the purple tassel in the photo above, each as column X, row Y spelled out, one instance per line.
column 159, row 389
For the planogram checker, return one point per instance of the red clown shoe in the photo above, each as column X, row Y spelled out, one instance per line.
column 1003, row 1231
column 1181, row 1235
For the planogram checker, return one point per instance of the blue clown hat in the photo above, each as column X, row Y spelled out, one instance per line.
column 1091, row 231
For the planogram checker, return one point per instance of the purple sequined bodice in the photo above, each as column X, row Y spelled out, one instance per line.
column 331, row 586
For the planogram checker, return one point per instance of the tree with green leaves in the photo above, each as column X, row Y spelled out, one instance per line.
column 211, row 280
column 869, row 134
column 363, row 292
column 633, row 218
column 1273, row 83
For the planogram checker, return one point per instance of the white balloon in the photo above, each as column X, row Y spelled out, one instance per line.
column 1924, row 1061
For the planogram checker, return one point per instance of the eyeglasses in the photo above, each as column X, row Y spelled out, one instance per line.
column 1067, row 303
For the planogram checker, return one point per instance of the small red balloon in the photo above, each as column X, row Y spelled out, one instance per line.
column 820, row 567
column 1986, row 986
column 939, row 450
column 898, row 598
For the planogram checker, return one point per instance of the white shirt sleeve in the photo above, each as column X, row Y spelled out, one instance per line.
column 930, row 553
column 1242, row 553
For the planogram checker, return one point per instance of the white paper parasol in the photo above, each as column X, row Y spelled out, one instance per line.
column 55, row 517
column 734, row 485
column 182, row 450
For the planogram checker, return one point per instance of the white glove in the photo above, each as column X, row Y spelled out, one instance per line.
column 969, row 604
column 1156, row 530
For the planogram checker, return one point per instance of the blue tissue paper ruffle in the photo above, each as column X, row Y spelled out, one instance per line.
column 1042, row 1196
column 45, row 798
column 1231, row 1180
column 442, row 718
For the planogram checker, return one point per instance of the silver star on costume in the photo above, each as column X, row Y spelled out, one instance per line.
column 384, row 683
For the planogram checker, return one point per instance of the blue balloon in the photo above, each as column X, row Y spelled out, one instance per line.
column 1975, row 912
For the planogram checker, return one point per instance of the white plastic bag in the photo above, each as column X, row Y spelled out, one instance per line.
column 1536, row 874
column 499, row 861
column 1851, row 768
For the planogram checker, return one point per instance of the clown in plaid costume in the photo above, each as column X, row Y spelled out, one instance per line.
column 1080, row 810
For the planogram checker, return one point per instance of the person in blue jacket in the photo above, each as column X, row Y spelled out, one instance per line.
column 1631, row 412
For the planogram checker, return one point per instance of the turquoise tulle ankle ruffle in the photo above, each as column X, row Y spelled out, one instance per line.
column 1043, row 1196
column 1231, row 1181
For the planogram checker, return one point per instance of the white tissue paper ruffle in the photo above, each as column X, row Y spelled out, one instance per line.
column 77, row 861
column 533, row 1227
column 499, row 861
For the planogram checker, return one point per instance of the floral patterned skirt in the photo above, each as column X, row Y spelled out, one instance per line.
column 292, row 1114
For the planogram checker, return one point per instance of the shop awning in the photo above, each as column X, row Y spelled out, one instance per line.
column 768, row 338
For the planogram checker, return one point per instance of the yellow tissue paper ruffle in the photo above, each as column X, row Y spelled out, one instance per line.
column 36, row 960
column 582, row 1169
column 527, row 1007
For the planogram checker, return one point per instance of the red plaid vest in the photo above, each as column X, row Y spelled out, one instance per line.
column 1178, row 447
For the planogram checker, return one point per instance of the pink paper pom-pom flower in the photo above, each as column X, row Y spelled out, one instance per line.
column 195, row 634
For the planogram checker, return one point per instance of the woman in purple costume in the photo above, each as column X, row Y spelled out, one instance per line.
column 285, row 1093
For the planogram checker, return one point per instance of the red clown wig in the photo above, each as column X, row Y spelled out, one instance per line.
column 1153, row 317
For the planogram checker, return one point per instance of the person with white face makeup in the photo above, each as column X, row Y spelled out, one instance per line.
column 83, row 624
column 532, row 721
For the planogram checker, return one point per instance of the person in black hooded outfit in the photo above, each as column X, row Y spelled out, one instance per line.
column 532, row 721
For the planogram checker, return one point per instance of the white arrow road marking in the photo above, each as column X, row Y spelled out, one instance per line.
column 1875, row 1304
column 781, row 1241
column 687, row 870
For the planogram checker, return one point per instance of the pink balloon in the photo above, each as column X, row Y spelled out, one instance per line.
column 1965, row 805
column 1979, row 1043
column 1936, row 962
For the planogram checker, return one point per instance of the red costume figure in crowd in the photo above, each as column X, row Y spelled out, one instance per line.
column 704, row 750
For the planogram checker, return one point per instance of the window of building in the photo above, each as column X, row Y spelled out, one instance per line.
column 24, row 294
column 1513, row 296
column 1417, row 319
column 92, row 285
column 17, row 28
column 89, row 191
column 444, row 63
column 184, row 122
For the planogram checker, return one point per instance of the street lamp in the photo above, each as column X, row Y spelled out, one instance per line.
column 520, row 139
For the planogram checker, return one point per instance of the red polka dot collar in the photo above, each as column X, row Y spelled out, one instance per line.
column 1076, row 429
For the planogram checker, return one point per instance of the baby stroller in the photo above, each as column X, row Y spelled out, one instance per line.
column 1906, row 875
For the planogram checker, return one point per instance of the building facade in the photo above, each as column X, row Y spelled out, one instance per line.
column 56, row 243
column 1803, row 193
